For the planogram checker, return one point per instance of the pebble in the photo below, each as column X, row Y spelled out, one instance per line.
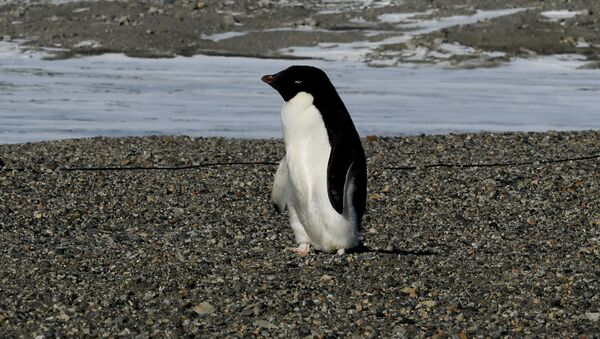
column 593, row 316
column 228, row 20
column 204, row 308
column 155, row 10
column 264, row 324
column 200, row 5
column 264, row 3
column 124, row 20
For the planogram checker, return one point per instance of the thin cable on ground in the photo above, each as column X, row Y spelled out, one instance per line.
column 170, row 168
column 267, row 163
column 498, row 164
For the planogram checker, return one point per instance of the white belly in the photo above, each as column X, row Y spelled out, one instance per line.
column 307, row 152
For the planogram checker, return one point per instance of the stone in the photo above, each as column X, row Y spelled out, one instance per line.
column 228, row 20
column 124, row 20
column 200, row 5
column 264, row 3
column 593, row 316
column 264, row 324
column 204, row 308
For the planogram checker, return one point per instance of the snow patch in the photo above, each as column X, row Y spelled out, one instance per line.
column 222, row 36
column 357, row 51
column 560, row 15
column 402, row 17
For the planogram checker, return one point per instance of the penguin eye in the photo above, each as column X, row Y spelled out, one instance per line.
column 298, row 81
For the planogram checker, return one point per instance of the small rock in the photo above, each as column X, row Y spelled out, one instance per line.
column 372, row 138
column 63, row 316
column 326, row 277
column 200, row 5
column 264, row 324
column 411, row 44
column 429, row 303
column 593, row 316
column 252, row 310
column 124, row 20
column 125, row 332
column 228, row 20
column 247, row 312
column 155, row 10
column 311, row 22
column 204, row 308
column 18, row 12
column 411, row 291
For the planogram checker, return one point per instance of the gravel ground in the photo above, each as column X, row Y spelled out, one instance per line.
column 499, row 251
column 184, row 27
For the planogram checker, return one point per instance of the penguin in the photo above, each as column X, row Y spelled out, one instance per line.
column 322, row 178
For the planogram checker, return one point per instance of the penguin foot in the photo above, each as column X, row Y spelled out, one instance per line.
column 302, row 249
column 341, row 251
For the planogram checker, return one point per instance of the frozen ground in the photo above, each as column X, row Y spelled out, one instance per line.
column 357, row 51
column 114, row 95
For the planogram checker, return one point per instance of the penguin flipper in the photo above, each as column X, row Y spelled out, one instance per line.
column 280, row 187
column 346, row 182
column 340, row 161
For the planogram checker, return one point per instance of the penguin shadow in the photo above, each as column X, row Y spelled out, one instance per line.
column 396, row 251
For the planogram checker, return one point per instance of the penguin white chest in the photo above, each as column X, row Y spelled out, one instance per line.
column 307, row 147
column 307, row 154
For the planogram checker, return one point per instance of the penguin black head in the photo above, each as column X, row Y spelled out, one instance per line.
column 296, row 79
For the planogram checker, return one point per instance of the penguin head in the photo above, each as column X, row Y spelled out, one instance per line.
column 296, row 79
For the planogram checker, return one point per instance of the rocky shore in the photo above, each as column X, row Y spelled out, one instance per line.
column 471, row 235
column 274, row 29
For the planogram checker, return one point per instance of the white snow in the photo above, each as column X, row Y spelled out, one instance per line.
column 113, row 95
column 356, row 51
column 560, row 15
column 401, row 17
column 223, row 36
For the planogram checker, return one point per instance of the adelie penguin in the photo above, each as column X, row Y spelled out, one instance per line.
column 322, row 179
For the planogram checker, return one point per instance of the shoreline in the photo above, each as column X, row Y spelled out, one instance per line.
column 456, row 32
column 476, row 251
column 113, row 95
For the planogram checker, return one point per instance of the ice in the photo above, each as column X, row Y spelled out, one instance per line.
column 401, row 17
column 356, row 51
column 431, row 25
column 560, row 15
column 114, row 95
column 223, row 36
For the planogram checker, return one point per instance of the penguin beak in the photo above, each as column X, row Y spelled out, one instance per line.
column 269, row 79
